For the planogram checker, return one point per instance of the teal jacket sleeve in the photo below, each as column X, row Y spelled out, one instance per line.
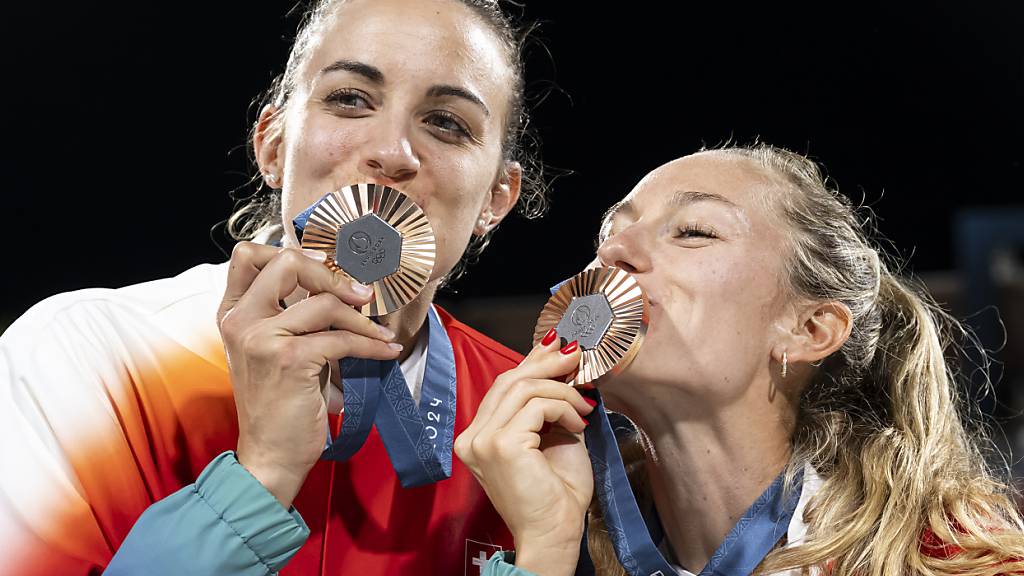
column 497, row 566
column 226, row 524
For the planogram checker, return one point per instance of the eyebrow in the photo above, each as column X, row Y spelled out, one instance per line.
column 448, row 90
column 679, row 199
column 371, row 73
column 687, row 197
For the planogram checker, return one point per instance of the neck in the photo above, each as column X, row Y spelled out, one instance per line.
column 706, row 465
column 410, row 319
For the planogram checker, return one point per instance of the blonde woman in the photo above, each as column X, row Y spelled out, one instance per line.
column 793, row 403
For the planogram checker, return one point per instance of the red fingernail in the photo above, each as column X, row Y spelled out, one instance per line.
column 570, row 348
column 593, row 403
column 585, row 423
column 549, row 337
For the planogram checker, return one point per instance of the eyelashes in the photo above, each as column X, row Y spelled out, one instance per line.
column 449, row 125
column 349, row 99
column 444, row 125
column 695, row 231
column 688, row 232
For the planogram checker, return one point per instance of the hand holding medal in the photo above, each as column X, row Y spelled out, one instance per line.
column 592, row 327
column 274, row 353
column 378, row 236
column 606, row 312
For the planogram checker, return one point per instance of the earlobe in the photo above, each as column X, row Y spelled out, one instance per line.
column 506, row 192
column 501, row 199
column 483, row 225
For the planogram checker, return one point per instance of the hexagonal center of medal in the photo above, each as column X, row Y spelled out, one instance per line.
column 586, row 320
column 368, row 249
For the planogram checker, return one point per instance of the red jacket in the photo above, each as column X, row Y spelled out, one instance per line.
column 111, row 400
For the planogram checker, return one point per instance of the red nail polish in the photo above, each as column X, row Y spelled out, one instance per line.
column 570, row 348
column 592, row 402
column 585, row 423
column 549, row 337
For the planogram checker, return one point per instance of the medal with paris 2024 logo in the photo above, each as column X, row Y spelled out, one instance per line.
column 378, row 236
column 606, row 312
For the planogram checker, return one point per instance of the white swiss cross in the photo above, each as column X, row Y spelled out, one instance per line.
column 477, row 554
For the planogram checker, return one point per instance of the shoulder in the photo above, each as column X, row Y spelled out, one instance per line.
column 467, row 343
column 86, row 320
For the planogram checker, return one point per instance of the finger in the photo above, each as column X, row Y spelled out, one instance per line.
column 550, row 360
column 287, row 271
column 338, row 344
column 540, row 410
column 247, row 260
column 546, row 361
column 524, row 391
column 325, row 311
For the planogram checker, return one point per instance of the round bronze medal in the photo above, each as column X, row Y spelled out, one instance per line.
column 378, row 236
column 606, row 311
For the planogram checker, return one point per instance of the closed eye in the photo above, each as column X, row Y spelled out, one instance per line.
column 694, row 231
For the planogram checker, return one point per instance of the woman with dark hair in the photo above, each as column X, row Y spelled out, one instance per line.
column 189, row 410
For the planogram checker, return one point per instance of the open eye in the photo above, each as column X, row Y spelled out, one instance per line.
column 448, row 125
column 348, row 99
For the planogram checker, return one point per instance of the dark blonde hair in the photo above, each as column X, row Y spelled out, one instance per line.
column 883, row 420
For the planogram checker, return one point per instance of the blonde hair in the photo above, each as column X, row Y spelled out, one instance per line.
column 883, row 420
column 258, row 213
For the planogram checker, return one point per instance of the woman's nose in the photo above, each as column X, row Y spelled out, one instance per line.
column 627, row 250
column 389, row 157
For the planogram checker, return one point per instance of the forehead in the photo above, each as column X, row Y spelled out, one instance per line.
column 417, row 41
column 736, row 179
column 732, row 185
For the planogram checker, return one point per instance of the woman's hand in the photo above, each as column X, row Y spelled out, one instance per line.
column 276, row 356
column 537, row 476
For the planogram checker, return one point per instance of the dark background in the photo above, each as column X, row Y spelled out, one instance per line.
column 125, row 124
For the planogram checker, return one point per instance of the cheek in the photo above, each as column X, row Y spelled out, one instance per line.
column 710, row 324
column 460, row 178
column 460, row 188
column 322, row 147
column 315, row 158
column 715, row 303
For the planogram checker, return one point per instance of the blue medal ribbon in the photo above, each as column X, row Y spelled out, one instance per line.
column 361, row 396
column 418, row 439
column 750, row 540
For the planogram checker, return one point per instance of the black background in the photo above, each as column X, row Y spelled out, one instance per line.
column 125, row 124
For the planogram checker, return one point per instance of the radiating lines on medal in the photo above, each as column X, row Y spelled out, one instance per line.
column 378, row 236
column 606, row 311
